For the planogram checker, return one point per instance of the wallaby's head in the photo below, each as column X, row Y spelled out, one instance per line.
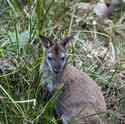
column 55, row 53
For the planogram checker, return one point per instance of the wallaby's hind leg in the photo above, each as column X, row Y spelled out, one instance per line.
column 95, row 119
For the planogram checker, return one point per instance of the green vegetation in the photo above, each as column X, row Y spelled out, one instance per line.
column 98, row 49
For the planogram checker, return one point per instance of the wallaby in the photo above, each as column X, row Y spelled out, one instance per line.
column 79, row 90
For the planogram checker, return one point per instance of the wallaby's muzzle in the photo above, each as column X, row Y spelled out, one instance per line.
column 57, row 69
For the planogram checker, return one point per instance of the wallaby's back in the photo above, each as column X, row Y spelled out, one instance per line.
column 79, row 92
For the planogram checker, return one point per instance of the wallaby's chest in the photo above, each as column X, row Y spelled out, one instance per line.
column 49, row 81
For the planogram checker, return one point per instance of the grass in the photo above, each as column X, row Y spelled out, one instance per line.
column 99, row 50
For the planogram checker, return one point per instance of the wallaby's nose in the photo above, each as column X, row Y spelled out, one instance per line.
column 56, row 71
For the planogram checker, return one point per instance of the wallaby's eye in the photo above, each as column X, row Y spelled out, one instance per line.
column 50, row 58
column 62, row 58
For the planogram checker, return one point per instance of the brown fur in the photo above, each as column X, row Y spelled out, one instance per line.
column 79, row 91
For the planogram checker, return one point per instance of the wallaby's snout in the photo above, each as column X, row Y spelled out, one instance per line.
column 57, row 69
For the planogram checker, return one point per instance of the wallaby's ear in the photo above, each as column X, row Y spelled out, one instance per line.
column 45, row 41
column 67, row 40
